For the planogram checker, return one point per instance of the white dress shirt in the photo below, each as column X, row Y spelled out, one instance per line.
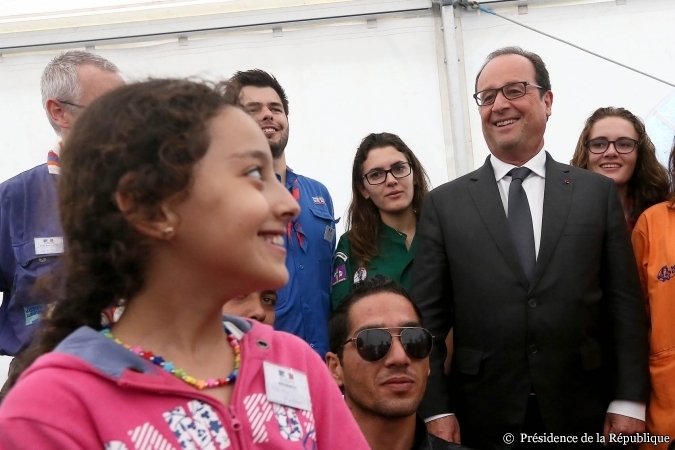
column 533, row 185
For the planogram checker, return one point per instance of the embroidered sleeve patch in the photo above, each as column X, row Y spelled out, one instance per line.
column 666, row 273
column 339, row 275
column 360, row 275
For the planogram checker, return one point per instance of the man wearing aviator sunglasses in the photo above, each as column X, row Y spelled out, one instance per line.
column 380, row 358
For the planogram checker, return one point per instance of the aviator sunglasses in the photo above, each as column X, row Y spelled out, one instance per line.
column 373, row 344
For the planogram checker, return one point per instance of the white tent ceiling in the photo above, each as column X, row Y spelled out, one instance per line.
column 38, row 25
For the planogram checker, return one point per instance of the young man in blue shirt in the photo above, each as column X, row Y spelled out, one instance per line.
column 304, row 303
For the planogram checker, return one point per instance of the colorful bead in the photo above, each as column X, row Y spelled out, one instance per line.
column 180, row 373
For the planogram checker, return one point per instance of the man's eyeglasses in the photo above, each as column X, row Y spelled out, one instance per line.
column 373, row 344
column 511, row 91
column 622, row 145
column 71, row 104
column 378, row 176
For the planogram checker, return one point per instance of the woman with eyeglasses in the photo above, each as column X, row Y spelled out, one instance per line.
column 388, row 186
column 654, row 245
column 614, row 143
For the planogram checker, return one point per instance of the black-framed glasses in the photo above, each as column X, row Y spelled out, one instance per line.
column 622, row 145
column 373, row 344
column 379, row 176
column 71, row 104
column 511, row 91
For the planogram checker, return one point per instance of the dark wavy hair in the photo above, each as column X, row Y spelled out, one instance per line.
column 363, row 217
column 141, row 141
column 649, row 183
column 260, row 78
column 339, row 324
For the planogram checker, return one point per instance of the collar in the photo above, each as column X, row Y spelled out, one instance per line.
column 53, row 159
column 389, row 231
column 393, row 235
column 291, row 177
column 537, row 165
column 420, row 442
column 112, row 359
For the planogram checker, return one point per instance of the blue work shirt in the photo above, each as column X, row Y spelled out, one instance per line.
column 31, row 239
column 303, row 305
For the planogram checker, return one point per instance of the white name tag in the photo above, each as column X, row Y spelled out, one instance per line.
column 286, row 386
column 48, row 245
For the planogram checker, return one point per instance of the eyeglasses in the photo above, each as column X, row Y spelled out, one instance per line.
column 70, row 103
column 373, row 344
column 622, row 145
column 511, row 91
column 379, row 176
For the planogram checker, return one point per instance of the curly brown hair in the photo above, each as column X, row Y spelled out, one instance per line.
column 649, row 183
column 141, row 141
column 363, row 217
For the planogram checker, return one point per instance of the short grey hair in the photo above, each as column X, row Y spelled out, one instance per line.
column 59, row 79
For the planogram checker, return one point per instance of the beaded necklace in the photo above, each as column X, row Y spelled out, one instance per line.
column 180, row 373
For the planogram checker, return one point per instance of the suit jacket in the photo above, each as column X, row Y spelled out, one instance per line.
column 576, row 335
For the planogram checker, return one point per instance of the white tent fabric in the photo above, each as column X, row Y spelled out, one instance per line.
column 351, row 67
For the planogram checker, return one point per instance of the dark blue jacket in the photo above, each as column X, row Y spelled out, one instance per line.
column 28, row 211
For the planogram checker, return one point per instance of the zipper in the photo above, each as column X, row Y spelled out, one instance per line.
column 236, row 426
column 234, row 420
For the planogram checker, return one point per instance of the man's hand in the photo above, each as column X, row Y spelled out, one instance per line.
column 446, row 428
column 616, row 423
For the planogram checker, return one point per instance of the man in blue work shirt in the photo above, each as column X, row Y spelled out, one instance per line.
column 303, row 305
column 31, row 238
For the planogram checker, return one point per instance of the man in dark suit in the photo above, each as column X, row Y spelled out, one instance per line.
column 529, row 262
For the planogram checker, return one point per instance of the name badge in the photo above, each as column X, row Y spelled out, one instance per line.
column 48, row 245
column 286, row 386
column 329, row 233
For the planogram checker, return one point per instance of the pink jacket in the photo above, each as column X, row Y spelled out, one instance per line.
column 91, row 393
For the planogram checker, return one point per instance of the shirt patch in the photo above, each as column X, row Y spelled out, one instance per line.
column 199, row 428
column 339, row 275
column 318, row 200
column 360, row 275
column 143, row 436
column 292, row 424
column 666, row 273
column 32, row 313
column 342, row 256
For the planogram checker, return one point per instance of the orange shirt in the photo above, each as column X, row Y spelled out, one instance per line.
column 654, row 244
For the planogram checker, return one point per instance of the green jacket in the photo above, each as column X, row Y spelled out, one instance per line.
column 394, row 260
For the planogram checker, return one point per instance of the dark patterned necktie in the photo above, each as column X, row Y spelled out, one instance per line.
column 520, row 221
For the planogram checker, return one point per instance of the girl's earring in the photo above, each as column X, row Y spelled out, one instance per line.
column 168, row 232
